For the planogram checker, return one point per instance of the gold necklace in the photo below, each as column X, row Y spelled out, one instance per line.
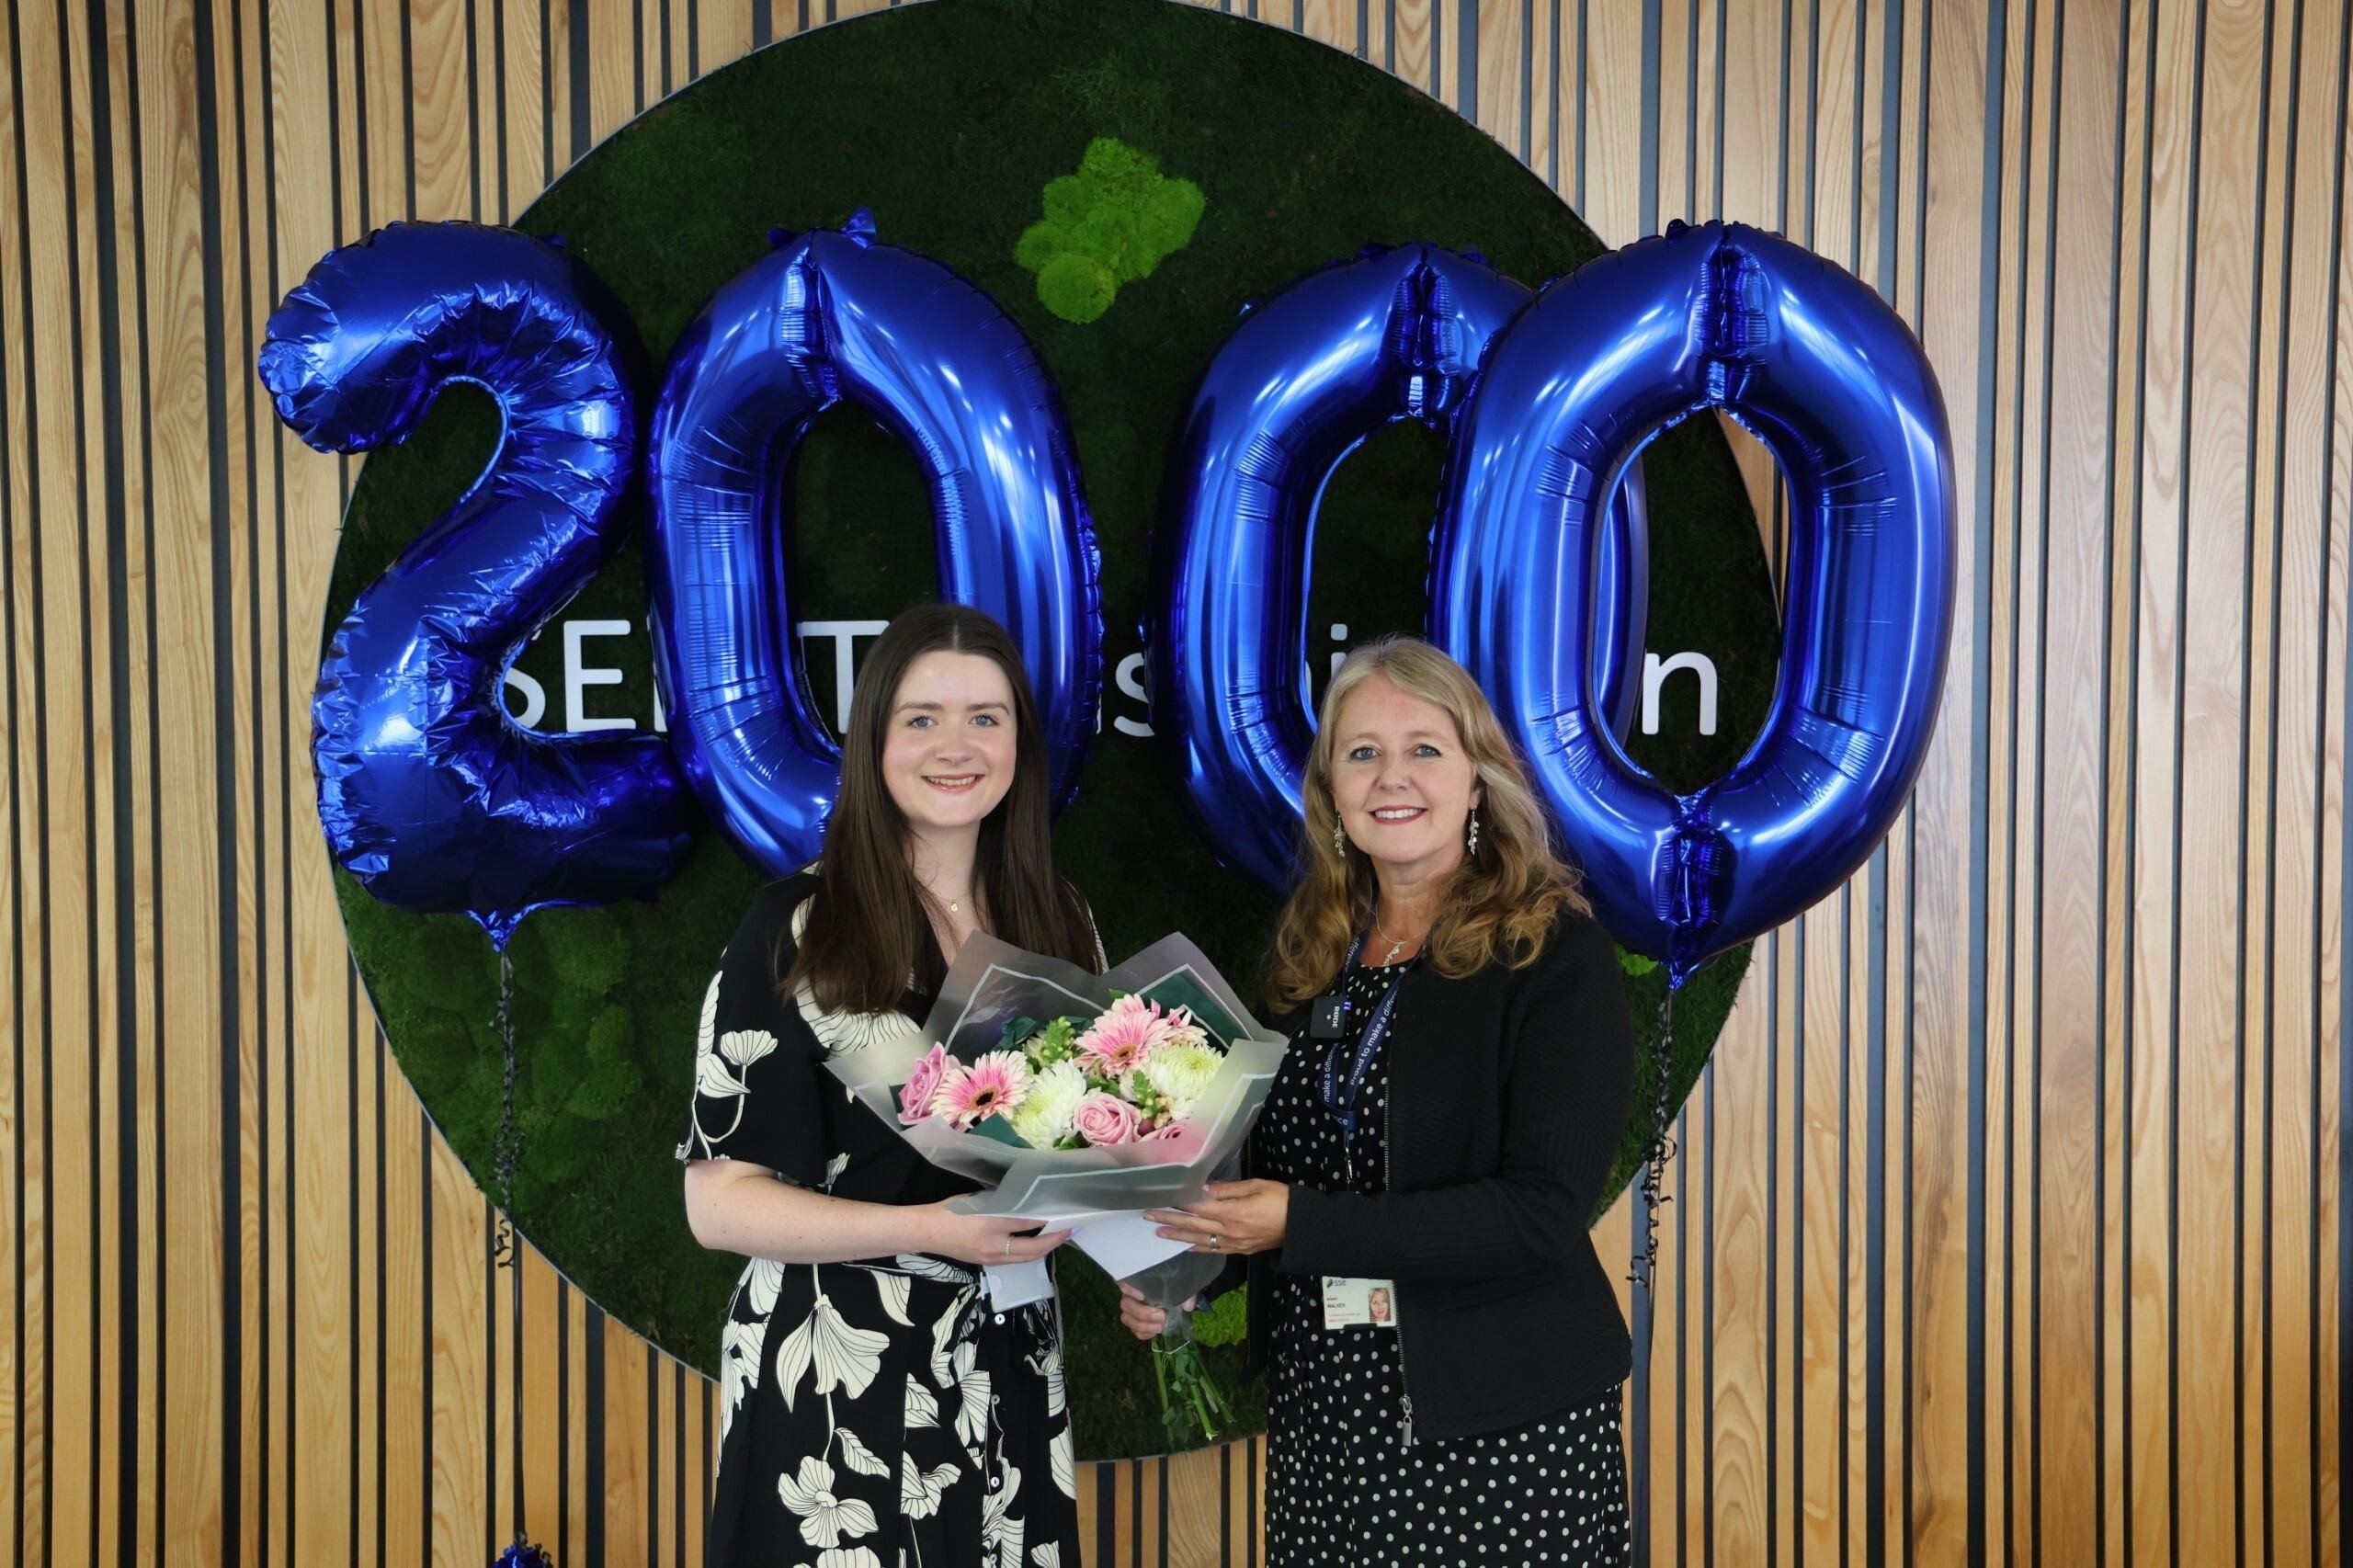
column 956, row 905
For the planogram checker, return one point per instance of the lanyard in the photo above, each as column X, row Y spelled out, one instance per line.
column 1342, row 1107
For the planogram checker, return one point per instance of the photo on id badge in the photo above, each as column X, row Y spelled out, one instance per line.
column 1350, row 1303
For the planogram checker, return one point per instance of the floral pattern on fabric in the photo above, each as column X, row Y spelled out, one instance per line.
column 875, row 1412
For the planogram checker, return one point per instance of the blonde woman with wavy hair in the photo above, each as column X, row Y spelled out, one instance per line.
column 1446, row 1347
column 1499, row 903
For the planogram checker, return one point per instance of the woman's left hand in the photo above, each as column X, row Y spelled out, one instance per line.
column 1239, row 1216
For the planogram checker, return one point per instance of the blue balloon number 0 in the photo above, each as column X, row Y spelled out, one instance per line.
column 828, row 315
column 1800, row 352
column 1393, row 334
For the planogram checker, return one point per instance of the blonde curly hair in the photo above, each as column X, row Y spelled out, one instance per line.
column 1500, row 904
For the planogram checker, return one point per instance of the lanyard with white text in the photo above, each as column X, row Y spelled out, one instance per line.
column 1343, row 1108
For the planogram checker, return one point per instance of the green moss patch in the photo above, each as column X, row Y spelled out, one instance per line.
column 1112, row 223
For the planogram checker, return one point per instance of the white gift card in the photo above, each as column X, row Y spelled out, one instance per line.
column 1122, row 1243
column 1351, row 1303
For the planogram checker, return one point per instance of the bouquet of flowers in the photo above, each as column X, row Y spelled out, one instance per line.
column 1080, row 1100
column 1132, row 1073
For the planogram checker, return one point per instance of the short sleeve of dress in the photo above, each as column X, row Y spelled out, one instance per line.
column 757, row 1087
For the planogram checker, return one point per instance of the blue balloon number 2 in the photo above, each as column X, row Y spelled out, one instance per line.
column 438, row 802
column 427, row 792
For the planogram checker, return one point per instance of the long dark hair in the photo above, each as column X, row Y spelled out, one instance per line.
column 869, row 920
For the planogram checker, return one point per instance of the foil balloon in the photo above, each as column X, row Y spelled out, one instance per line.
column 828, row 315
column 1716, row 317
column 1396, row 334
column 428, row 793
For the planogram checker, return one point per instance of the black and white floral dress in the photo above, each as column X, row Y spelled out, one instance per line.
column 878, row 1413
column 1344, row 1487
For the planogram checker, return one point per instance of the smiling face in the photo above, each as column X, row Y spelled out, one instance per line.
column 1402, row 780
column 947, row 755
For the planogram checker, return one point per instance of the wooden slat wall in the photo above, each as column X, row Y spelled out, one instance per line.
column 2008, row 1224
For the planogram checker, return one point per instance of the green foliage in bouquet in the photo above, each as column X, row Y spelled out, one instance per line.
column 947, row 121
column 1112, row 223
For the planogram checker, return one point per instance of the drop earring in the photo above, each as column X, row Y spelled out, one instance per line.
column 1474, row 833
column 1340, row 839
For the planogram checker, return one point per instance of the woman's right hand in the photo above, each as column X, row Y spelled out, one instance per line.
column 1143, row 1319
column 986, row 1241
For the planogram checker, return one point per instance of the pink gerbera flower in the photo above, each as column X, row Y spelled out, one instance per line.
column 1119, row 1039
column 992, row 1086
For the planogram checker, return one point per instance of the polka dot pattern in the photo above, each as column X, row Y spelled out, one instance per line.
column 1344, row 1487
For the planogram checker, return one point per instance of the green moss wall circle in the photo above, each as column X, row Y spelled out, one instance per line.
column 949, row 122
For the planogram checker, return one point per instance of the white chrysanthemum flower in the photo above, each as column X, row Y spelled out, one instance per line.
column 1182, row 1074
column 1042, row 1118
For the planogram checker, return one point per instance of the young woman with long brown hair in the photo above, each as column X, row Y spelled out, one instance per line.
column 875, row 1408
column 1445, row 1345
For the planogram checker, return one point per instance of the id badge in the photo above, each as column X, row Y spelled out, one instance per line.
column 1354, row 1303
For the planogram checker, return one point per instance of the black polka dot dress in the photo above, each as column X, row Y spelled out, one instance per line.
column 1344, row 1485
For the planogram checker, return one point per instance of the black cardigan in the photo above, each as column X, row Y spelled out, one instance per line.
column 1507, row 1099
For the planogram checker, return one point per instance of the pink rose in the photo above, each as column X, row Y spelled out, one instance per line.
column 1182, row 1140
column 914, row 1097
column 1104, row 1119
